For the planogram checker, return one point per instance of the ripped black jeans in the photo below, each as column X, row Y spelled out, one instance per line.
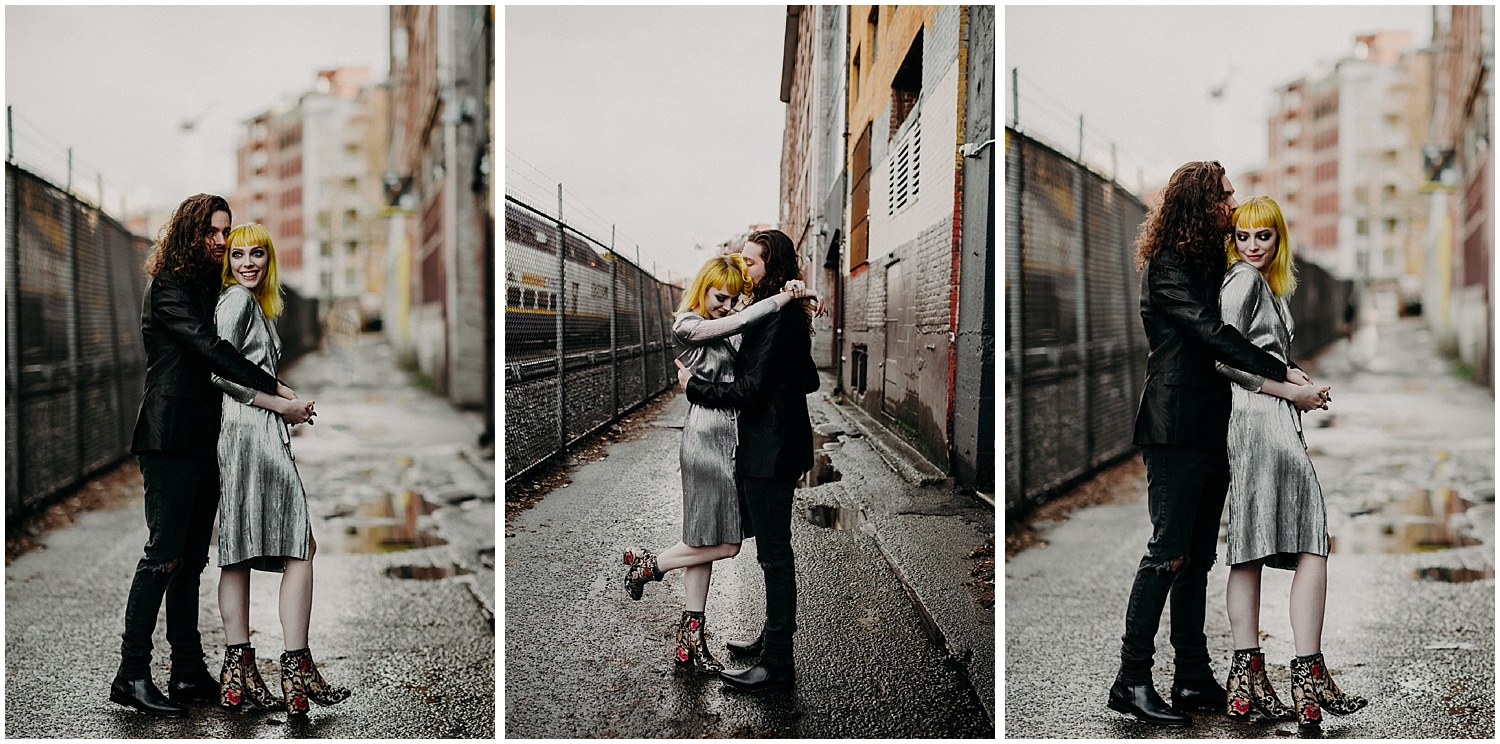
column 1186, row 488
column 182, row 499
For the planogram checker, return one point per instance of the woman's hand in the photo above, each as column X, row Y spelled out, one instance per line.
column 683, row 375
column 296, row 411
column 1297, row 376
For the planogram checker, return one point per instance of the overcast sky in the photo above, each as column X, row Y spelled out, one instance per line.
column 665, row 121
column 1141, row 76
column 115, row 83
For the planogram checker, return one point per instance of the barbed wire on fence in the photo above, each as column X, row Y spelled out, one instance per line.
column 1056, row 124
column 542, row 196
column 39, row 153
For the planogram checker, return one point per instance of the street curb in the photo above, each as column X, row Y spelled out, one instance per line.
column 914, row 469
column 900, row 457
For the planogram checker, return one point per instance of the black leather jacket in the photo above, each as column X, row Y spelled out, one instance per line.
column 773, row 375
column 181, row 406
column 1185, row 401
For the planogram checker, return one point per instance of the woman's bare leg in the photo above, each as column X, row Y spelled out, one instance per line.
column 295, row 602
column 1309, row 596
column 1242, row 601
column 695, row 580
column 683, row 555
column 234, row 602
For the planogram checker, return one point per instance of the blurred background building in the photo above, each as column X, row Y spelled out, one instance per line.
column 439, row 307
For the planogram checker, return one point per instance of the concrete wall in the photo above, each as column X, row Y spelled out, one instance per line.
column 974, row 353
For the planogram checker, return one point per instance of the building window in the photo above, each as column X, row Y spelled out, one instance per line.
column 1390, row 191
column 1390, row 226
column 854, row 79
column 325, row 248
column 874, row 31
column 1361, row 227
column 906, row 88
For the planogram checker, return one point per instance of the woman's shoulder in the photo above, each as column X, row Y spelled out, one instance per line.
column 1244, row 274
column 236, row 295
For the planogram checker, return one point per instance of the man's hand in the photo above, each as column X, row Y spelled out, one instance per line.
column 1297, row 376
column 683, row 375
column 297, row 412
column 285, row 392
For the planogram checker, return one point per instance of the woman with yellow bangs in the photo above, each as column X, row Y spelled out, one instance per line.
column 1276, row 513
column 712, row 523
column 263, row 518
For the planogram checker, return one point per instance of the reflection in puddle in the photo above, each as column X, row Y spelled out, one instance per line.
column 1454, row 575
column 1423, row 521
column 822, row 469
column 386, row 523
column 836, row 517
column 425, row 573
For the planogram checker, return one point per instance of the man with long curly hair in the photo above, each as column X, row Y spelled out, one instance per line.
column 176, row 440
column 773, row 375
column 1181, row 429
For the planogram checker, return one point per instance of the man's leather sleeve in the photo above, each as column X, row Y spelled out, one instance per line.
column 1184, row 306
column 752, row 378
column 172, row 311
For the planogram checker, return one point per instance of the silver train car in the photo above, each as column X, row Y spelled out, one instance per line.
column 531, row 289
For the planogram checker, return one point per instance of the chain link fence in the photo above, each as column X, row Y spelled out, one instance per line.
column 74, row 362
column 616, row 324
column 1075, row 350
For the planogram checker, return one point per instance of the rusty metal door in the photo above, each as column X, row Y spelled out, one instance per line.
column 900, row 324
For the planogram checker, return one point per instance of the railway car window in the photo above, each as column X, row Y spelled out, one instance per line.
column 528, row 299
column 513, row 297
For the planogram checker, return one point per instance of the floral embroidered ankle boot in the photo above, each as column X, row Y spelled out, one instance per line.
column 643, row 569
column 692, row 647
column 1249, row 687
column 1314, row 690
column 301, row 682
column 240, row 683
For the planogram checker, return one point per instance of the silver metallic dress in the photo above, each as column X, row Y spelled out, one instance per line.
column 711, row 511
column 262, row 507
column 1276, row 506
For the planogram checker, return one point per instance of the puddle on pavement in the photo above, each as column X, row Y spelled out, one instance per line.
column 1421, row 522
column 823, row 470
column 1454, row 575
column 425, row 573
column 836, row 517
column 386, row 523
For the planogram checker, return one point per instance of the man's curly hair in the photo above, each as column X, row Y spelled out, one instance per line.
column 179, row 245
column 1185, row 220
column 782, row 266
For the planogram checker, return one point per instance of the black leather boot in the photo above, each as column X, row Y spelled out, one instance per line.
column 1197, row 694
column 741, row 649
column 197, row 686
column 759, row 677
column 1142, row 702
column 142, row 695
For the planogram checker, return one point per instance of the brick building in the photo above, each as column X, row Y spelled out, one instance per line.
column 440, row 306
column 1460, row 174
column 913, row 245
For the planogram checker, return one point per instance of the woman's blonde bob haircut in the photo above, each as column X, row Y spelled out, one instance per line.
column 728, row 272
column 268, row 292
column 1262, row 211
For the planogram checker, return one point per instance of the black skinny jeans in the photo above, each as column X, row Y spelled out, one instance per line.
column 769, row 501
column 1186, row 488
column 182, row 499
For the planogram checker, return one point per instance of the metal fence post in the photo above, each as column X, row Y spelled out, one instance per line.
column 1015, row 372
column 614, row 341
column 560, row 297
column 662, row 330
column 13, row 357
column 1081, row 307
column 75, row 332
column 640, row 295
